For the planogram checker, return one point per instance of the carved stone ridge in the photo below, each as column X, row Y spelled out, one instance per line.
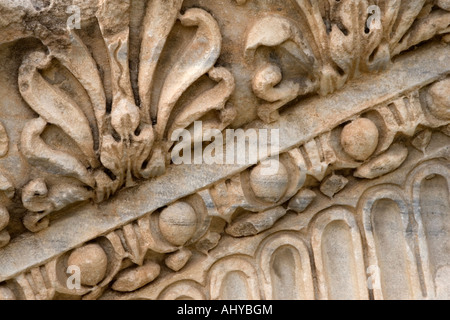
column 96, row 92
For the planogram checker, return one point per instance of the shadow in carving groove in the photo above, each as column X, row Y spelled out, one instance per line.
column 434, row 202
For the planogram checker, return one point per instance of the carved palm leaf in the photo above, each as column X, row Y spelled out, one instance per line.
column 335, row 41
column 197, row 60
column 126, row 143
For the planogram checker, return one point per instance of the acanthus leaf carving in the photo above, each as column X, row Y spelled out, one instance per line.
column 128, row 139
column 121, row 145
column 54, row 106
column 214, row 99
column 41, row 200
column 131, row 141
column 159, row 21
column 157, row 232
column 57, row 162
column 207, row 46
column 348, row 38
column 78, row 60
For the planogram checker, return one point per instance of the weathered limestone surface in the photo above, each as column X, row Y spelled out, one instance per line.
column 93, row 205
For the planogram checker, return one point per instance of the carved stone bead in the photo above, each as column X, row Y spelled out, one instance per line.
column 92, row 261
column 135, row 278
column 360, row 139
column 444, row 4
column 383, row 164
column 269, row 180
column 4, row 238
column 356, row 207
column 440, row 94
column 178, row 223
column 302, row 200
column 179, row 259
column 251, row 224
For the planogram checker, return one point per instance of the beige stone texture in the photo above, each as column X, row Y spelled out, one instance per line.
column 350, row 200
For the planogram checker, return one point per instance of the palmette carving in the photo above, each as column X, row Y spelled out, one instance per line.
column 129, row 142
column 333, row 200
column 124, row 135
column 332, row 43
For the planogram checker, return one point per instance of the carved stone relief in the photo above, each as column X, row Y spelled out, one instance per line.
column 94, row 92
